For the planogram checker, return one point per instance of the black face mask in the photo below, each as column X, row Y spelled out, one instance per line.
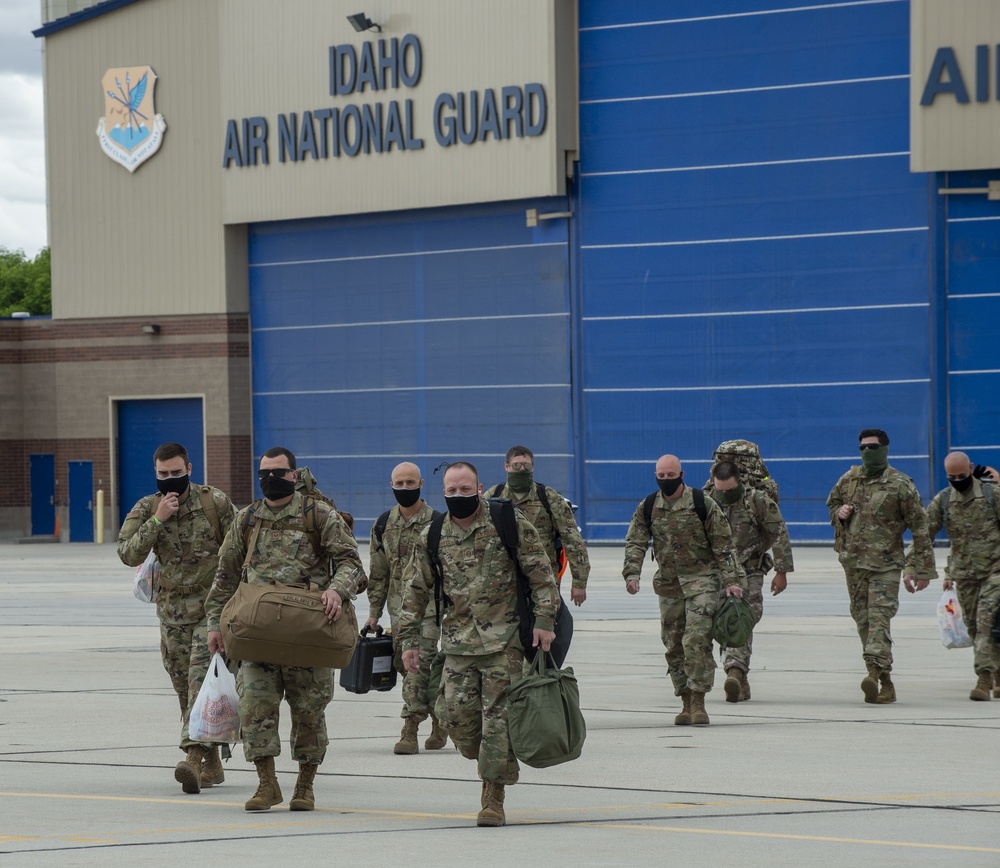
column 462, row 505
column 406, row 496
column 669, row 486
column 173, row 484
column 274, row 488
column 961, row 484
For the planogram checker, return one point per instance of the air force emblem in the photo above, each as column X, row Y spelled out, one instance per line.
column 130, row 133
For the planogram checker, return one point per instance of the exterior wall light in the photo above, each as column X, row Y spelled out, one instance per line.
column 362, row 22
column 151, row 328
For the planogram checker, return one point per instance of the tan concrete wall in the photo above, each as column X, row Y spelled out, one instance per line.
column 151, row 242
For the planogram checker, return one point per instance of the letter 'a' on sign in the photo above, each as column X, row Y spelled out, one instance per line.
column 130, row 131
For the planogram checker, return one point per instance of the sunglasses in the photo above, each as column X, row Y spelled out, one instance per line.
column 521, row 465
column 865, row 446
column 280, row 472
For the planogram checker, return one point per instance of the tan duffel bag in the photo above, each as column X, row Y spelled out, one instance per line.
column 286, row 625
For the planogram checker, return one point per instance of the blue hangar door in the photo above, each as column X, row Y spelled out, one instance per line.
column 423, row 336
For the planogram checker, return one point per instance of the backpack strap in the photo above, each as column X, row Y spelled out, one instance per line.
column 699, row 507
column 505, row 521
column 433, row 544
column 495, row 490
column 946, row 497
column 211, row 512
column 379, row 527
column 309, row 522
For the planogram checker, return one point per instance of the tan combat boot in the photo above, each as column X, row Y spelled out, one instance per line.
column 699, row 717
column 887, row 692
column 492, row 813
column 407, row 743
column 981, row 692
column 733, row 685
column 438, row 737
column 268, row 792
column 303, row 798
column 684, row 718
column 212, row 772
column 744, row 686
column 869, row 684
column 188, row 771
column 996, row 685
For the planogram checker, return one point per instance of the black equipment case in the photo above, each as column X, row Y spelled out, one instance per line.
column 371, row 666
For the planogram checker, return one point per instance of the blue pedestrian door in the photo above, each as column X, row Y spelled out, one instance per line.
column 43, row 494
column 142, row 426
column 81, row 501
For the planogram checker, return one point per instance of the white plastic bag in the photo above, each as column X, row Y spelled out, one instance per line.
column 949, row 613
column 147, row 577
column 215, row 717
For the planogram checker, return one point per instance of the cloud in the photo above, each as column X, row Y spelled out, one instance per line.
column 22, row 164
column 20, row 52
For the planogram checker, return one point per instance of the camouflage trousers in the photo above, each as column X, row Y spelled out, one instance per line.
column 979, row 602
column 874, row 600
column 308, row 692
column 414, row 688
column 475, row 710
column 753, row 596
column 184, row 648
column 686, row 613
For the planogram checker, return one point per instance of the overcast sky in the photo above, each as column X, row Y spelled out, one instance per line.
column 22, row 129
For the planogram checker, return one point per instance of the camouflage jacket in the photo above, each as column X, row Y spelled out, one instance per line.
column 284, row 554
column 389, row 557
column 185, row 545
column 565, row 523
column 884, row 507
column 684, row 547
column 481, row 583
column 974, row 528
column 757, row 526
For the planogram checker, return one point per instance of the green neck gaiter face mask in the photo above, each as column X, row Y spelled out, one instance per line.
column 734, row 495
column 875, row 460
column 519, row 480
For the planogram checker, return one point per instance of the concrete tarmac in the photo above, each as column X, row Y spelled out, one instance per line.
column 805, row 773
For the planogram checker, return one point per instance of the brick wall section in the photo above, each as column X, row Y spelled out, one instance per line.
column 232, row 466
column 62, row 350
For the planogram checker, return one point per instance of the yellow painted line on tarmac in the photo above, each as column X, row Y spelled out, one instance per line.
column 779, row 836
column 9, row 839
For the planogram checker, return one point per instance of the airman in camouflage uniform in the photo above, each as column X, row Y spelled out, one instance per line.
column 184, row 524
column 870, row 507
column 479, row 630
column 555, row 522
column 969, row 511
column 757, row 527
column 284, row 553
column 696, row 564
column 390, row 551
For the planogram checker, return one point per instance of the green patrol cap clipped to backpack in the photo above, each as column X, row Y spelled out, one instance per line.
column 732, row 625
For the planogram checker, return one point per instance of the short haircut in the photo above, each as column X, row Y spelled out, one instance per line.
column 275, row 451
column 883, row 438
column 457, row 464
column 726, row 470
column 166, row 451
column 519, row 450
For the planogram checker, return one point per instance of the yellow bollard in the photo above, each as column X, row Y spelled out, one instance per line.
column 99, row 536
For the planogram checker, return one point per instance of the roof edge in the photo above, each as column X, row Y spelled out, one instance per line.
column 81, row 16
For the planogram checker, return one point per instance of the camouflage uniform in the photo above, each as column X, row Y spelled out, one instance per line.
column 562, row 521
column 757, row 526
column 385, row 588
column 284, row 555
column 695, row 562
column 479, row 630
column 973, row 563
column 870, row 545
column 188, row 552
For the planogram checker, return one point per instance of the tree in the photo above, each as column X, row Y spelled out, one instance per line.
column 25, row 284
